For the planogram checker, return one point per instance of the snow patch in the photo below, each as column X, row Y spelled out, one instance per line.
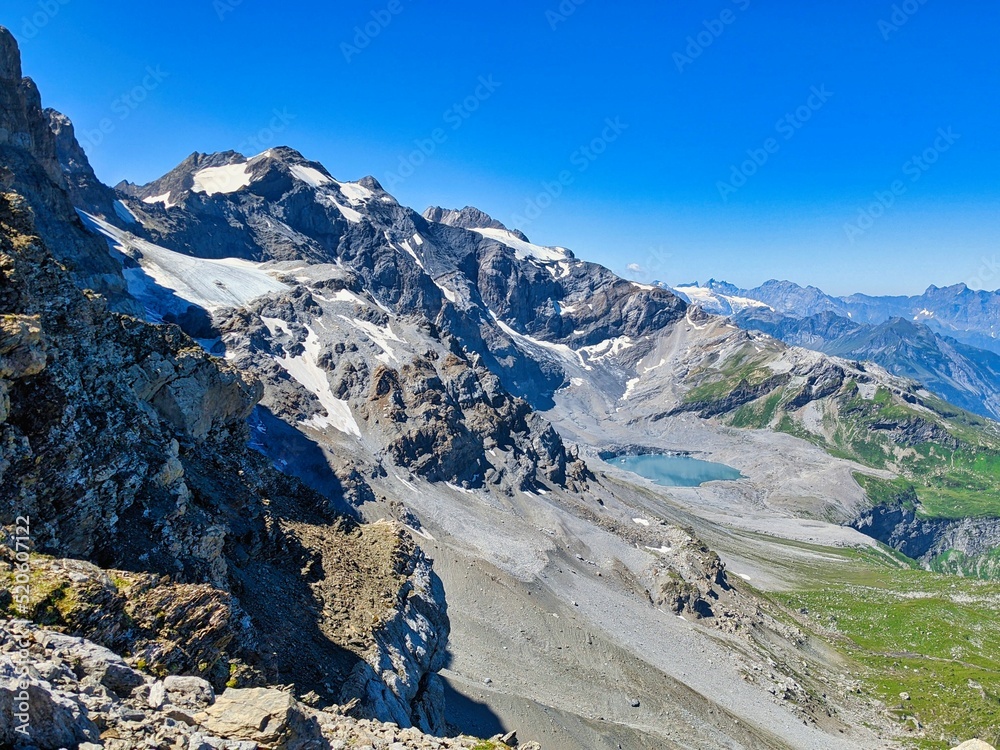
column 164, row 199
column 125, row 213
column 380, row 336
column 723, row 303
column 640, row 521
column 412, row 253
column 561, row 349
column 608, row 347
column 356, row 194
column 226, row 179
column 449, row 294
column 208, row 283
column 348, row 213
column 276, row 325
column 309, row 175
column 345, row 295
column 305, row 370
column 524, row 250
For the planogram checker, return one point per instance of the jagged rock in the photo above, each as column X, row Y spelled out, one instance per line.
column 68, row 707
column 687, row 576
column 100, row 664
column 468, row 218
column 187, row 692
column 29, row 164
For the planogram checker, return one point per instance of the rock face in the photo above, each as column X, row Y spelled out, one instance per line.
column 438, row 412
column 81, row 183
column 127, row 446
column 270, row 718
column 925, row 539
column 960, row 374
column 164, row 482
column 31, row 167
column 467, row 218
column 687, row 578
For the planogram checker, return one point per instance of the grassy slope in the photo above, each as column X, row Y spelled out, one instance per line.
column 909, row 631
column 950, row 457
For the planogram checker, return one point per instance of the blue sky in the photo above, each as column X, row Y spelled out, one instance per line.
column 730, row 138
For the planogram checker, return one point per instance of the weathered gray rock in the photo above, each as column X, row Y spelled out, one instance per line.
column 30, row 165
column 146, row 433
column 271, row 718
column 188, row 692
column 51, row 720
column 102, row 665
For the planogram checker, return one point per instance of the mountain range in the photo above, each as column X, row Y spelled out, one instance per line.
column 967, row 315
column 943, row 338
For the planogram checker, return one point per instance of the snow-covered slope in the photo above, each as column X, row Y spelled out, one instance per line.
column 523, row 249
column 716, row 302
column 206, row 283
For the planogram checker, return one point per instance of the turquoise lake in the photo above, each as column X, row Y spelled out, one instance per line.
column 676, row 471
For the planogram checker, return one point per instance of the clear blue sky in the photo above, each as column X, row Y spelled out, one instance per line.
column 654, row 196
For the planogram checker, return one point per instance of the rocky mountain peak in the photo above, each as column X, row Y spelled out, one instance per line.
column 10, row 57
column 81, row 182
column 28, row 153
column 469, row 217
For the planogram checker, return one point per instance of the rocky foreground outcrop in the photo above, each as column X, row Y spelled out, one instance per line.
column 59, row 691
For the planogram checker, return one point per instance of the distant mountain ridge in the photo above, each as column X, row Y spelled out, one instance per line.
column 859, row 327
column 967, row 315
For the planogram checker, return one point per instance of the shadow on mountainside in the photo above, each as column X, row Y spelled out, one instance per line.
column 467, row 716
column 295, row 454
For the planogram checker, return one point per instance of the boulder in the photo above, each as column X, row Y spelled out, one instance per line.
column 271, row 718
column 191, row 692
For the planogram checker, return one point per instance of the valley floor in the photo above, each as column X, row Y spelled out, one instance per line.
column 554, row 635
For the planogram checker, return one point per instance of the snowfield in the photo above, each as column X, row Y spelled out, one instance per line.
column 309, row 175
column 211, row 284
column 227, row 179
column 522, row 249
